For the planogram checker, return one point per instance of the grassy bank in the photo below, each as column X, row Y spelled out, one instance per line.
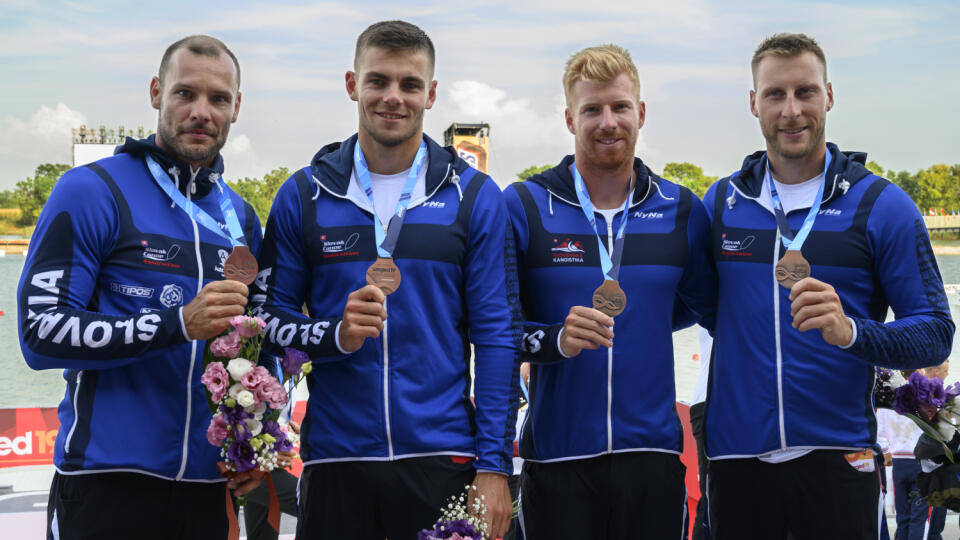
column 9, row 226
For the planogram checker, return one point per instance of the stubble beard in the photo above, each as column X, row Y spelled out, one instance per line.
column 391, row 140
column 181, row 152
column 774, row 144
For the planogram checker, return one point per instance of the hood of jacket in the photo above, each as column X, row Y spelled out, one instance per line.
column 205, row 180
column 846, row 169
column 333, row 164
column 559, row 182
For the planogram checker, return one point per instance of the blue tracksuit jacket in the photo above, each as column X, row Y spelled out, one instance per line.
column 110, row 265
column 406, row 393
column 620, row 399
column 772, row 387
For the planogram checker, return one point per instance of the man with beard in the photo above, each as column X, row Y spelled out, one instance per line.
column 122, row 286
column 811, row 250
column 390, row 432
column 605, row 246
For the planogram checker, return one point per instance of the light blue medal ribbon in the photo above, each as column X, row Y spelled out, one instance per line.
column 791, row 242
column 387, row 239
column 198, row 214
column 609, row 264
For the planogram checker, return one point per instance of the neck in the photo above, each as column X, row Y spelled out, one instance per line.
column 608, row 187
column 386, row 160
column 793, row 171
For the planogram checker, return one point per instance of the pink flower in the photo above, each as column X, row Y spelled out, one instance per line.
column 247, row 327
column 273, row 392
column 278, row 395
column 217, row 431
column 255, row 378
column 216, row 380
column 227, row 346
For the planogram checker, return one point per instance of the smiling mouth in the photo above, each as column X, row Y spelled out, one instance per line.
column 608, row 141
column 390, row 116
column 793, row 131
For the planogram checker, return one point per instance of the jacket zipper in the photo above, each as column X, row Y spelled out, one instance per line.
column 76, row 413
column 776, row 330
column 610, row 356
column 193, row 344
column 386, row 387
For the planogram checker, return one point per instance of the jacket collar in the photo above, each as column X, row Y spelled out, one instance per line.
column 205, row 179
column 559, row 182
column 846, row 169
column 332, row 166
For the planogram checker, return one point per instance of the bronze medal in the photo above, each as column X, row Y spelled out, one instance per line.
column 241, row 266
column 609, row 298
column 384, row 274
column 792, row 268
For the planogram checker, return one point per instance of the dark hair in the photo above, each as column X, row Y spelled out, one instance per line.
column 395, row 36
column 787, row 45
column 201, row 45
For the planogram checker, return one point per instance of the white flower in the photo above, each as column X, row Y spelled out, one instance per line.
column 254, row 426
column 238, row 367
column 235, row 390
column 245, row 398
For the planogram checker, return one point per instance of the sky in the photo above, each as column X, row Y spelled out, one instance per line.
column 893, row 65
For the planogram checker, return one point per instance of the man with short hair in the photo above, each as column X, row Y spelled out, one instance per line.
column 805, row 238
column 123, row 283
column 390, row 433
column 601, row 239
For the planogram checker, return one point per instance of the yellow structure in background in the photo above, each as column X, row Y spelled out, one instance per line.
column 472, row 142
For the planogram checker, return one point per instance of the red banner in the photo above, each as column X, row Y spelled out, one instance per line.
column 27, row 436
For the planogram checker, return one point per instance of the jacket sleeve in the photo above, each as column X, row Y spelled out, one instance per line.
column 697, row 290
column 539, row 343
column 280, row 289
column 906, row 272
column 58, row 323
column 494, row 321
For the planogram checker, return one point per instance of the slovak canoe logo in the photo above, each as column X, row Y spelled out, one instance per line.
column 343, row 247
column 567, row 251
column 737, row 247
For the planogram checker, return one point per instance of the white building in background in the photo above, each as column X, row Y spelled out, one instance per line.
column 90, row 144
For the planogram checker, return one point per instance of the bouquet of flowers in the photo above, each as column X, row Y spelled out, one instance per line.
column 927, row 402
column 459, row 521
column 239, row 392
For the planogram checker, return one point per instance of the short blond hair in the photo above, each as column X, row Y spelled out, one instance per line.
column 599, row 64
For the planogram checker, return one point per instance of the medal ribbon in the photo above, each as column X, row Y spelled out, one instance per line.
column 198, row 214
column 786, row 235
column 609, row 265
column 387, row 238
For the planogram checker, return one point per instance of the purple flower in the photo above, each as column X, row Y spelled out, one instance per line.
column 293, row 360
column 951, row 392
column 242, row 455
column 884, row 374
column 905, row 399
column 456, row 529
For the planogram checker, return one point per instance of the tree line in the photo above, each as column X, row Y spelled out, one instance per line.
column 937, row 186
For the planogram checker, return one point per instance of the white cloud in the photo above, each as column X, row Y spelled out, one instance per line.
column 240, row 158
column 45, row 138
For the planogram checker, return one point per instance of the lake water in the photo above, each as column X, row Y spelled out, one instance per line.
column 22, row 387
